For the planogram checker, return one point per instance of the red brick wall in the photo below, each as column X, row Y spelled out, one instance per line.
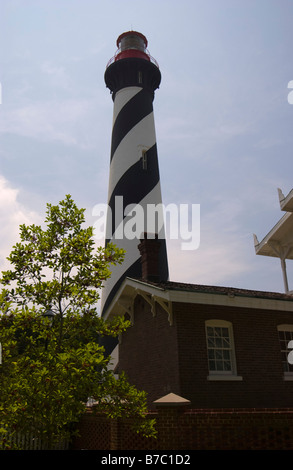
column 257, row 351
column 94, row 432
column 160, row 358
column 148, row 352
column 201, row 429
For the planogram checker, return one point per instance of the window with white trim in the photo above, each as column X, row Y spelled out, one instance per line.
column 285, row 333
column 220, row 347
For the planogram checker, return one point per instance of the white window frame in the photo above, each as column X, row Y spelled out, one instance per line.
column 288, row 375
column 222, row 374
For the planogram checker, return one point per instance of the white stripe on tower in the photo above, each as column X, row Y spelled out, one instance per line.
column 134, row 177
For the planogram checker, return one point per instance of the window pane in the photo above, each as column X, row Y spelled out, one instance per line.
column 226, row 343
column 219, row 354
column 220, row 365
column 219, row 343
column 211, row 354
column 226, row 355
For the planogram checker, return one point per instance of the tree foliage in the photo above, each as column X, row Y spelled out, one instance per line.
column 51, row 368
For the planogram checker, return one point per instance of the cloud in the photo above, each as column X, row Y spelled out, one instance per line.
column 222, row 254
column 12, row 215
column 218, row 260
column 57, row 74
column 57, row 120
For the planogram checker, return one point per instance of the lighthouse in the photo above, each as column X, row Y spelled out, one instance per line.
column 134, row 194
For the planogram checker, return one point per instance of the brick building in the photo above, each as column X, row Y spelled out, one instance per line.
column 218, row 347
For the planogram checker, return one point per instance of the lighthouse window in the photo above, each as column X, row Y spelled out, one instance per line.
column 144, row 160
column 139, row 77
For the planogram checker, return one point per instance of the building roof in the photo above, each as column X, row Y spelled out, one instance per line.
column 200, row 288
column 169, row 293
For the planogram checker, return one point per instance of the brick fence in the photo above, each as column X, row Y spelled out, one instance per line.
column 181, row 428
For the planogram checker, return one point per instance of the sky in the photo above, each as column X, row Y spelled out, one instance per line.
column 222, row 114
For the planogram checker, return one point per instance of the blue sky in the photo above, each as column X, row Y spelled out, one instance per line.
column 223, row 120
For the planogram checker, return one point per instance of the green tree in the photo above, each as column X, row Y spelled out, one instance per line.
column 52, row 366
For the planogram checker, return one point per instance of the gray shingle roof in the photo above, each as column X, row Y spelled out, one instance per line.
column 182, row 286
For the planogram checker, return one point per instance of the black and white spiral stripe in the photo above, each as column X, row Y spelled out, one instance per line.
column 133, row 133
